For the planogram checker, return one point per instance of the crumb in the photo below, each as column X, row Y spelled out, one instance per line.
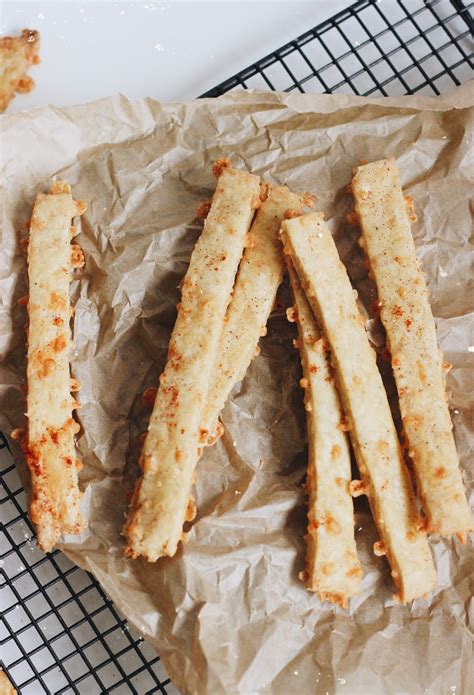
column 357, row 488
column 149, row 396
column 77, row 256
column 202, row 210
column 219, row 166
column 289, row 214
column 308, row 200
column 264, row 188
column 353, row 218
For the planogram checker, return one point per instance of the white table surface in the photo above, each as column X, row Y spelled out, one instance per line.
column 165, row 50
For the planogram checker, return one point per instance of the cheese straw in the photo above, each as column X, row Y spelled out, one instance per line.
column 385, row 479
column 49, row 442
column 260, row 274
column 411, row 339
column 332, row 567
column 161, row 501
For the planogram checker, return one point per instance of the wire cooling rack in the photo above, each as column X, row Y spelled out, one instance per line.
column 374, row 47
column 59, row 632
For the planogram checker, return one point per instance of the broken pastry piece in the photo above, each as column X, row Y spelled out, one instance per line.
column 332, row 566
column 411, row 340
column 385, row 478
column 17, row 54
column 161, row 501
column 259, row 276
column 49, row 441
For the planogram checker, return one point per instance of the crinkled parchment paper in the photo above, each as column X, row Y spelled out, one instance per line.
column 228, row 614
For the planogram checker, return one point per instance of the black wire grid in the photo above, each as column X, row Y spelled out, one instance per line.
column 59, row 632
column 372, row 48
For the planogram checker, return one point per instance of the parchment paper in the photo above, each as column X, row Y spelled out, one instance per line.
column 228, row 614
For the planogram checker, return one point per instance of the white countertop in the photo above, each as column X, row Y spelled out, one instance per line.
column 166, row 50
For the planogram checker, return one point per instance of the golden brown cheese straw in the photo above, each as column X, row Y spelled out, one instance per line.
column 49, row 445
column 368, row 418
column 332, row 565
column 161, row 502
column 411, row 339
column 260, row 273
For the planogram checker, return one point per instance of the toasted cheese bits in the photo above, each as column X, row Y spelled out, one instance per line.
column 411, row 339
column 385, row 478
column 161, row 502
column 332, row 566
column 253, row 296
column 49, row 442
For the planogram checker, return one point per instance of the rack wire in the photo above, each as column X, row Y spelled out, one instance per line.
column 371, row 48
column 59, row 632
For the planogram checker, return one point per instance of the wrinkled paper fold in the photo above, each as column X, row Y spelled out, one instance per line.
column 228, row 613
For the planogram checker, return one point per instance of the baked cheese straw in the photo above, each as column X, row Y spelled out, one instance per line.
column 260, row 273
column 385, row 479
column 49, row 442
column 411, row 339
column 161, row 501
column 332, row 565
